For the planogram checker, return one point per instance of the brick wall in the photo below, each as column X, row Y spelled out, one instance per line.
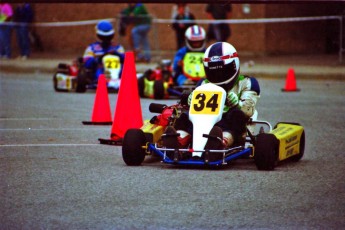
column 257, row 39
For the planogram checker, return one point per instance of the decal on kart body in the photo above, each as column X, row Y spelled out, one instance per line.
column 193, row 66
column 289, row 136
column 206, row 102
column 205, row 110
column 111, row 62
column 112, row 69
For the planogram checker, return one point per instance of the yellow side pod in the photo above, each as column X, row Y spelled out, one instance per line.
column 289, row 136
column 152, row 132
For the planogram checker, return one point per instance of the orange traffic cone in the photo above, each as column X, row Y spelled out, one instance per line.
column 290, row 84
column 128, row 109
column 101, row 114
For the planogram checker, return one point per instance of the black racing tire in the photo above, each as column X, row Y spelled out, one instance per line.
column 157, row 108
column 141, row 86
column 81, row 81
column 158, row 89
column 55, row 83
column 266, row 151
column 133, row 153
column 297, row 157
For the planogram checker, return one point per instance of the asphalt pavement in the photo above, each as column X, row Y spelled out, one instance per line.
column 320, row 66
column 54, row 174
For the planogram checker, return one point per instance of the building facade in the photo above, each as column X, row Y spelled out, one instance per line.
column 320, row 36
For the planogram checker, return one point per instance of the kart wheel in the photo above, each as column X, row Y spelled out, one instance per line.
column 55, row 84
column 301, row 149
column 141, row 86
column 158, row 89
column 266, row 154
column 81, row 82
column 132, row 152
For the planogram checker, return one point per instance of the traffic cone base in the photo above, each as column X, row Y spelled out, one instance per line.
column 117, row 142
column 290, row 84
column 97, row 123
column 101, row 114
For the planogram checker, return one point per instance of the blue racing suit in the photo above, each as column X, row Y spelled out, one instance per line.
column 94, row 53
column 179, row 77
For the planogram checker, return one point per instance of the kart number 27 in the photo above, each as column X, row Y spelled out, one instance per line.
column 111, row 62
column 205, row 102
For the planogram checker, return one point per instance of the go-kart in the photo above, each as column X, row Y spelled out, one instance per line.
column 266, row 145
column 76, row 77
column 158, row 83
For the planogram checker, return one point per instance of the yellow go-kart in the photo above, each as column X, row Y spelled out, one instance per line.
column 266, row 145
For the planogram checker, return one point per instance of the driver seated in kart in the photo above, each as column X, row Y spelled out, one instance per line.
column 195, row 39
column 222, row 67
column 94, row 53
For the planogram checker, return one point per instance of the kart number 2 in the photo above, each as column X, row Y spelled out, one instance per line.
column 205, row 102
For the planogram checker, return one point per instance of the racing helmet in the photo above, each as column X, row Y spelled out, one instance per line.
column 221, row 64
column 105, row 31
column 195, row 37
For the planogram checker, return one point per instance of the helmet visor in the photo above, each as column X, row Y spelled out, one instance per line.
column 218, row 73
column 104, row 38
column 196, row 44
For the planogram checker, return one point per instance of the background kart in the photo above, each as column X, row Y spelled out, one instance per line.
column 266, row 145
column 159, row 83
column 75, row 77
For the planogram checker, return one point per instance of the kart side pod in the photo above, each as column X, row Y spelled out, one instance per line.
column 285, row 141
column 291, row 139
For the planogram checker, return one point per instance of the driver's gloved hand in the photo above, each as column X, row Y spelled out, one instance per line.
column 231, row 100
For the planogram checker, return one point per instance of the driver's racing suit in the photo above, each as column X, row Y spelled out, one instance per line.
column 179, row 77
column 235, row 117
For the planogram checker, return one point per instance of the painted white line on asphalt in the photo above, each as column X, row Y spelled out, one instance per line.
column 29, row 118
column 46, row 145
column 66, row 129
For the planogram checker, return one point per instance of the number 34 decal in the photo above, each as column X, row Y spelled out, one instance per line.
column 205, row 102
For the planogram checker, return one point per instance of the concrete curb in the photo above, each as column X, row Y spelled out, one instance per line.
column 274, row 71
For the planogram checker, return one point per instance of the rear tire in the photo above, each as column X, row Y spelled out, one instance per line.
column 81, row 81
column 266, row 151
column 141, row 86
column 55, row 83
column 158, row 89
column 81, row 84
column 132, row 152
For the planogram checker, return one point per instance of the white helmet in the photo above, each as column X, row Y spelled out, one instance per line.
column 195, row 37
column 222, row 64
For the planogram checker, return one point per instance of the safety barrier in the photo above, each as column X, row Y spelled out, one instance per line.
column 200, row 21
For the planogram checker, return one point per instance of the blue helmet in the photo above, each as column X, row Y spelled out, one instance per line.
column 105, row 30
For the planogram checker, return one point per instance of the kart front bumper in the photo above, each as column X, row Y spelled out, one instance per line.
column 229, row 155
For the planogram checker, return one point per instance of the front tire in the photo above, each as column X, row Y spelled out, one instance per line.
column 158, row 89
column 266, row 151
column 133, row 152
column 81, row 84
